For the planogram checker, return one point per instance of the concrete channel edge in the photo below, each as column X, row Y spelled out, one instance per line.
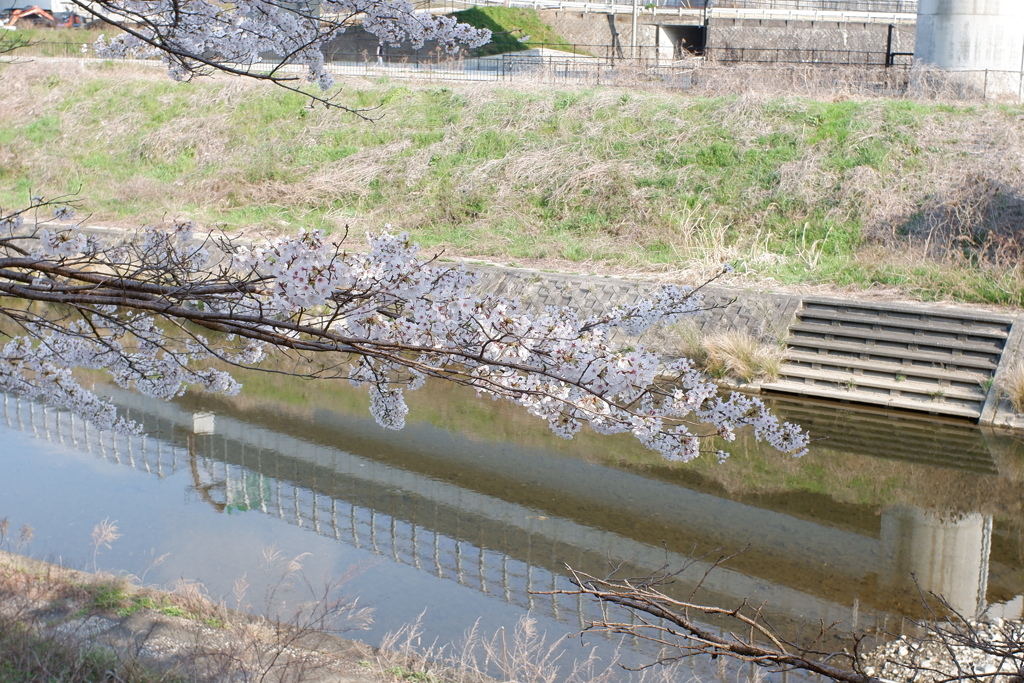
column 927, row 358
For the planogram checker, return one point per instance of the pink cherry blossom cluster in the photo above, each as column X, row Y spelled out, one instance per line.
column 399, row 318
column 559, row 367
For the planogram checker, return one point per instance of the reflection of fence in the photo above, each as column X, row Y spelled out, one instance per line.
column 403, row 540
column 236, row 487
column 142, row 452
column 495, row 546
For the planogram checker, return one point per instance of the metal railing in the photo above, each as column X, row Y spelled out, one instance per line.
column 576, row 57
column 855, row 71
column 873, row 12
column 897, row 6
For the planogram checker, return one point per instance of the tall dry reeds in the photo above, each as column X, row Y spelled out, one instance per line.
column 732, row 355
column 1012, row 386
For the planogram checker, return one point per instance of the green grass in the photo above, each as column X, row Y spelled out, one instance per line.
column 792, row 189
column 116, row 597
column 46, row 42
column 513, row 29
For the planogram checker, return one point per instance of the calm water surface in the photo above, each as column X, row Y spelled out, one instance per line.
column 474, row 509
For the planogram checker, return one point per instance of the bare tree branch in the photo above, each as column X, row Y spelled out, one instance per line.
column 681, row 626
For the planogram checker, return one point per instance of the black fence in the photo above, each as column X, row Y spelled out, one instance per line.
column 787, row 55
column 811, row 72
column 574, row 53
column 590, row 65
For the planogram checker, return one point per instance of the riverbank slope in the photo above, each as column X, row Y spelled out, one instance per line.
column 918, row 198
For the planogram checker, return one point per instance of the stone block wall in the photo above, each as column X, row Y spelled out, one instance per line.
column 764, row 314
column 606, row 33
column 358, row 44
column 727, row 37
column 730, row 34
column 767, row 315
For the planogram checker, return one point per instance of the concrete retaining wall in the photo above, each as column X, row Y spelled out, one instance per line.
column 727, row 37
column 733, row 35
column 984, row 37
column 609, row 35
column 912, row 338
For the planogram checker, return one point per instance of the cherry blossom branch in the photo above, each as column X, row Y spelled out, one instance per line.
column 141, row 309
column 196, row 37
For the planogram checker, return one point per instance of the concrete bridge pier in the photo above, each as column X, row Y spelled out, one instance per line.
column 982, row 40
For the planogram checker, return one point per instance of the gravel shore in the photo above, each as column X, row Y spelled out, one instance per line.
column 990, row 651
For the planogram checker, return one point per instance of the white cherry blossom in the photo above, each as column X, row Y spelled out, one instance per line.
column 193, row 36
column 155, row 310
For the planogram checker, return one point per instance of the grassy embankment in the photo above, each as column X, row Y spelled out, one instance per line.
column 919, row 197
column 46, row 42
column 513, row 29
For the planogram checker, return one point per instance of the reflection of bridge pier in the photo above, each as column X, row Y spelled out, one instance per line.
column 486, row 541
column 941, row 552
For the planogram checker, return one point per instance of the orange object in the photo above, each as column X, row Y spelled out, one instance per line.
column 28, row 13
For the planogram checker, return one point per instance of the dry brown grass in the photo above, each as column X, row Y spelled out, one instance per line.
column 61, row 624
column 1012, row 385
column 738, row 354
column 522, row 653
column 733, row 355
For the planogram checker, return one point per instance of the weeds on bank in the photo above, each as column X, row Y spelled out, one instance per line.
column 738, row 354
column 118, row 596
column 47, row 617
column 734, row 355
column 862, row 192
column 28, row 657
column 36, row 644
column 1012, row 384
column 53, row 626
column 523, row 654
column 25, row 534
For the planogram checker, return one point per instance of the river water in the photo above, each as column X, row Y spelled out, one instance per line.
column 471, row 513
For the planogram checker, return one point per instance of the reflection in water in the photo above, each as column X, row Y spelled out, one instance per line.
column 501, row 519
column 948, row 554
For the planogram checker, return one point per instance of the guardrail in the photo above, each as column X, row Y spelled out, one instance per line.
column 702, row 14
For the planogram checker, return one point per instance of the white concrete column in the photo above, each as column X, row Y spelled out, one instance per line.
column 983, row 39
